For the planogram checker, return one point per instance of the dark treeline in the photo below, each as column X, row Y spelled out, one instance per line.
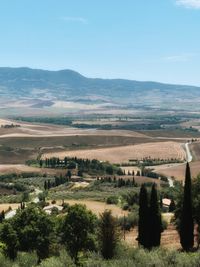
column 147, row 161
column 57, row 181
column 82, row 165
column 149, row 173
column 118, row 182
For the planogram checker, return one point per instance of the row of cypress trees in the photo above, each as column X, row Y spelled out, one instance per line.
column 150, row 223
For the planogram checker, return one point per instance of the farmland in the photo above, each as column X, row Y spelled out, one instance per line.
column 127, row 153
column 24, row 150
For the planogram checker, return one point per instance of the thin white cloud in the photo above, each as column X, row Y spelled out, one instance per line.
column 189, row 3
column 75, row 19
column 179, row 58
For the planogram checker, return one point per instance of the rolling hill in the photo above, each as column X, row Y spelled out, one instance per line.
column 36, row 88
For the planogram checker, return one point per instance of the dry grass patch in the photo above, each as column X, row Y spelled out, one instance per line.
column 122, row 154
column 97, row 207
column 169, row 238
column 178, row 170
column 6, row 206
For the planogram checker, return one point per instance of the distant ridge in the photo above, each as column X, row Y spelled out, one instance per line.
column 65, row 85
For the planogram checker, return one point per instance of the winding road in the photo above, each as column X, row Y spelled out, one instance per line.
column 188, row 159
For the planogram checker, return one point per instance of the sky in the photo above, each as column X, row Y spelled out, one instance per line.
column 147, row 40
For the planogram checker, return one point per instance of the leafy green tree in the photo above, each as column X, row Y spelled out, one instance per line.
column 143, row 224
column 9, row 237
column 155, row 222
column 186, row 219
column 110, row 170
column 120, row 172
column 33, row 228
column 71, row 165
column 78, row 229
column 108, row 235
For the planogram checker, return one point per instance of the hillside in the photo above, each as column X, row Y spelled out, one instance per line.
column 41, row 88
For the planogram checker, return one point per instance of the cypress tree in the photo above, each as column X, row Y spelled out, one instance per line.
column 3, row 214
column 133, row 182
column 48, row 184
column 172, row 206
column 155, row 222
column 143, row 231
column 161, row 202
column 108, row 234
column 186, row 220
column 45, row 185
column 41, row 163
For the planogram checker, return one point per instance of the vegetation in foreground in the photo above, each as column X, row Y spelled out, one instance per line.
column 76, row 237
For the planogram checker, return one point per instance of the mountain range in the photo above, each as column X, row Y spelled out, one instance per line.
column 39, row 88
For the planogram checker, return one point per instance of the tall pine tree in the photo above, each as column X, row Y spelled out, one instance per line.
column 186, row 221
column 143, row 231
column 155, row 222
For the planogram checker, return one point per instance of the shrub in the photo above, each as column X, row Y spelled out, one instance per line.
column 27, row 259
column 62, row 261
column 112, row 200
column 128, row 222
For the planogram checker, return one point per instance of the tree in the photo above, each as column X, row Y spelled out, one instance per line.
column 78, row 229
column 69, row 174
column 45, row 185
column 25, row 196
column 33, row 228
column 196, row 203
column 108, row 234
column 161, row 202
column 71, row 165
column 186, row 220
column 155, row 222
column 143, row 231
column 80, row 173
column 41, row 163
column 172, row 206
column 2, row 216
column 109, row 170
column 120, row 172
column 49, row 184
column 133, row 182
column 9, row 237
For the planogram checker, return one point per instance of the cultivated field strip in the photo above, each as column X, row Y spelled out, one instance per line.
column 122, row 154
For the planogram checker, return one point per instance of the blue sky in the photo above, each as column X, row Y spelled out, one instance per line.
column 155, row 40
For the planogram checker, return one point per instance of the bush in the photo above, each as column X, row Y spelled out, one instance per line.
column 128, row 222
column 27, row 259
column 112, row 200
column 125, row 206
column 63, row 260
